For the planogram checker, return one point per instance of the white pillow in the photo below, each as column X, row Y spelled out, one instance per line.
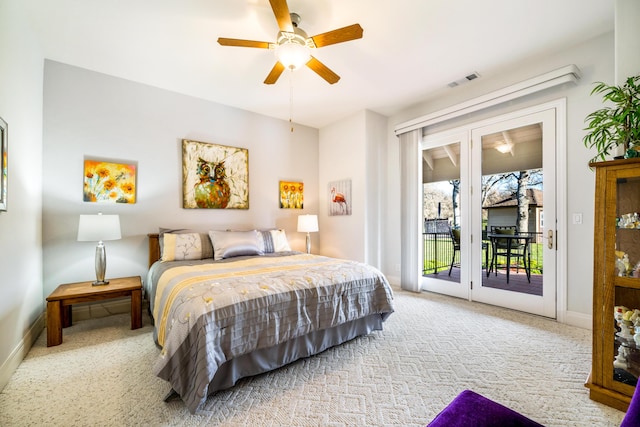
column 273, row 241
column 227, row 244
column 205, row 241
column 280, row 242
column 179, row 247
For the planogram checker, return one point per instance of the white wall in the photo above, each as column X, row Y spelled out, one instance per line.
column 21, row 300
column 353, row 148
column 99, row 116
column 341, row 154
column 595, row 60
column 627, row 44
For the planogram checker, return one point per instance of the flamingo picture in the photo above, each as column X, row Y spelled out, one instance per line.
column 340, row 194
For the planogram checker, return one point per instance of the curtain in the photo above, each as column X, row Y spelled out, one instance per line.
column 410, row 223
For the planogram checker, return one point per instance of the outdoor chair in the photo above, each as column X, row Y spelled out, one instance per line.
column 510, row 248
column 455, row 239
column 485, row 249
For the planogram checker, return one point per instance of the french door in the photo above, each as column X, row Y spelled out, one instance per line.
column 498, row 173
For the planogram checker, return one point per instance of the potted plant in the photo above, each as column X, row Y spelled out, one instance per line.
column 618, row 124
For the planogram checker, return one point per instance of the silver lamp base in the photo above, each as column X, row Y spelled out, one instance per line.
column 101, row 265
column 308, row 243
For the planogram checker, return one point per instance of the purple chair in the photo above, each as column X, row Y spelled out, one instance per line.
column 632, row 417
column 469, row 409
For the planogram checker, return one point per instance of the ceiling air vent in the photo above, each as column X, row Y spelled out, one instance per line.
column 465, row 79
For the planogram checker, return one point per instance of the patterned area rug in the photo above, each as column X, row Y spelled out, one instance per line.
column 432, row 348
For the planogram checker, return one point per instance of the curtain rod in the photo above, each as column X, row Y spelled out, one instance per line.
column 566, row 74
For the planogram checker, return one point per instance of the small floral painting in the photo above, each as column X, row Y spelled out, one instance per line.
column 291, row 195
column 106, row 182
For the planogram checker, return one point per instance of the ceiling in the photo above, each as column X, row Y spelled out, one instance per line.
column 411, row 49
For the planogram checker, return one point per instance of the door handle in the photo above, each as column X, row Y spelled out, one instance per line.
column 550, row 239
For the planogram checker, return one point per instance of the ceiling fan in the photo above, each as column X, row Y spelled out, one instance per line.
column 293, row 46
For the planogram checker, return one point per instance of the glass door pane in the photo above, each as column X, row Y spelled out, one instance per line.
column 512, row 204
column 514, row 164
column 444, row 266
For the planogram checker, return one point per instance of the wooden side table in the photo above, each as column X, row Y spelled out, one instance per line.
column 60, row 301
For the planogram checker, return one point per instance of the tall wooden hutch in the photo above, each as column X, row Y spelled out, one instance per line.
column 616, row 280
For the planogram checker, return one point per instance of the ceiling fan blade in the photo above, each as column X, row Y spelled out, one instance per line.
column 340, row 35
column 281, row 11
column 323, row 71
column 275, row 73
column 243, row 43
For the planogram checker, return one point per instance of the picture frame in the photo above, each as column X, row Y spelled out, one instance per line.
column 109, row 182
column 214, row 176
column 340, row 197
column 4, row 164
column 291, row 195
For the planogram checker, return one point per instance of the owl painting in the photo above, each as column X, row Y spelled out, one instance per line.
column 214, row 176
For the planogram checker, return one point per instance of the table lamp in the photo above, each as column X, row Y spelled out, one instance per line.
column 99, row 228
column 308, row 224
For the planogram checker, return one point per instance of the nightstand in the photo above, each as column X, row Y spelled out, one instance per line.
column 60, row 301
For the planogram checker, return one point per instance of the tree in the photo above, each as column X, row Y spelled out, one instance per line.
column 433, row 197
column 513, row 184
column 455, row 191
column 522, row 220
column 491, row 185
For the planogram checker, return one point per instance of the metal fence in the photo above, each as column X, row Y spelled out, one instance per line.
column 438, row 252
column 437, row 246
column 438, row 249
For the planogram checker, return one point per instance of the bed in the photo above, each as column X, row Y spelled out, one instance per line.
column 248, row 305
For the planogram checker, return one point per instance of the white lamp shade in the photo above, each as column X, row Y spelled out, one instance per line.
column 307, row 223
column 95, row 228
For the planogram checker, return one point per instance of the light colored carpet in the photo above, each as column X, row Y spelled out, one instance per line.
column 432, row 348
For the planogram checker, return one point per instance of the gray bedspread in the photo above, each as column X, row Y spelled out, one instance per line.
column 209, row 313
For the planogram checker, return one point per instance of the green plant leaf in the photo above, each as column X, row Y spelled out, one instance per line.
column 617, row 124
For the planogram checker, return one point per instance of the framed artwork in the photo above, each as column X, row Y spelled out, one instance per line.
column 340, row 197
column 291, row 195
column 214, row 176
column 107, row 182
column 4, row 164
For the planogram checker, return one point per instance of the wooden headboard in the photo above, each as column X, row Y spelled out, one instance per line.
column 154, row 247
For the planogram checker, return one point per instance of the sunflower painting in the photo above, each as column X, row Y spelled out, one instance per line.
column 106, row 182
column 291, row 195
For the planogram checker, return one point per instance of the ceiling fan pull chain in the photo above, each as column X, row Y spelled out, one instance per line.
column 291, row 99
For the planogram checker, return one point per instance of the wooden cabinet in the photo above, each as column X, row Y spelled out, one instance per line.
column 616, row 280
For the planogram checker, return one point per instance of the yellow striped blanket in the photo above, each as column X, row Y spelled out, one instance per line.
column 206, row 314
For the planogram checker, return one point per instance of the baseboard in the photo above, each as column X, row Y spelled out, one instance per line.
column 10, row 365
column 580, row 320
column 393, row 280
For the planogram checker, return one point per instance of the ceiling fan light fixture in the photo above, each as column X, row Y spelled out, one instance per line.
column 293, row 46
column 292, row 50
column 505, row 148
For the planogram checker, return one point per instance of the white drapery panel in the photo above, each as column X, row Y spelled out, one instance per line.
column 410, row 224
